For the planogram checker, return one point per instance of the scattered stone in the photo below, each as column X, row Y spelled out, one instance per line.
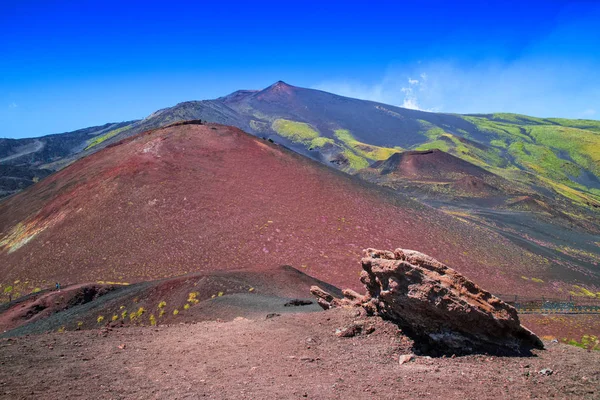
column 272, row 315
column 441, row 310
column 354, row 330
column 349, row 331
column 403, row 359
column 297, row 303
column 546, row 372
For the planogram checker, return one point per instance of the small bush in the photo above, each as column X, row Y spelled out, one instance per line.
column 162, row 304
column 36, row 290
column 124, row 314
column 186, row 307
column 193, row 298
column 100, row 319
column 114, row 318
column 161, row 313
column 152, row 320
column 175, row 311
column 61, row 329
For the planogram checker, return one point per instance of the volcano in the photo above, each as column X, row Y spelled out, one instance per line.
column 193, row 198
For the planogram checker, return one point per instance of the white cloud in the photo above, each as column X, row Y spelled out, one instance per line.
column 410, row 98
column 531, row 85
column 554, row 76
column 390, row 90
column 12, row 105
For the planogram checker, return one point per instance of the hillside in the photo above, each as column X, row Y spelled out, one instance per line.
column 558, row 157
column 197, row 198
column 26, row 161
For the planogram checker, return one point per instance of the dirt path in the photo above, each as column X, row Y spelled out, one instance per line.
column 285, row 357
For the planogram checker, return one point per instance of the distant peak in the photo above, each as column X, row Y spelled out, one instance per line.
column 280, row 85
column 278, row 90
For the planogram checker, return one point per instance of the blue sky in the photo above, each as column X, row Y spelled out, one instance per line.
column 66, row 65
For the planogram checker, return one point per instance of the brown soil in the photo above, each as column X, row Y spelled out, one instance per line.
column 195, row 198
column 291, row 356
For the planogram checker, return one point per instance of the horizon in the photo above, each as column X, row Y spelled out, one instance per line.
column 75, row 65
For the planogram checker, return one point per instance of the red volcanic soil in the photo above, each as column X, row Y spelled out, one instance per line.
column 194, row 198
column 287, row 357
column 428, row 164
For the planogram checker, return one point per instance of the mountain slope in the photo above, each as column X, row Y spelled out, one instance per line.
column 558, row 156
column 193, row 198
column 25, row 161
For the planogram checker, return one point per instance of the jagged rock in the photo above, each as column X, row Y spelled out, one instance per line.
column 441, row 310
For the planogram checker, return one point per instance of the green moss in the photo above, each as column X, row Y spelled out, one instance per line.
column 365, row 150
column 442, row 145
column 498, row 143
column 588, row 342
column 355, row 161
column 518, row 119
column 259, row 126
column 498, row 130
column 104, row 137
column 542, row 160
column 320, row 142
column 294, row 131
column 588, row 124
column 582, row 146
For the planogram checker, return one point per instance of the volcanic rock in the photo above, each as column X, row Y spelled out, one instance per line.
column 403, row 359
column 441, row 310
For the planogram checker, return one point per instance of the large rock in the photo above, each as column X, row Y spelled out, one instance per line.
column 441, row 310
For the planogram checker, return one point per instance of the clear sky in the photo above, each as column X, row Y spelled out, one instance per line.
column 67, row 64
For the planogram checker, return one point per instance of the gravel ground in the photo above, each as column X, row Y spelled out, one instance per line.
column 282, row 357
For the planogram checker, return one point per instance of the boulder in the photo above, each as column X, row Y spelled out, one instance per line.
column 441, row 310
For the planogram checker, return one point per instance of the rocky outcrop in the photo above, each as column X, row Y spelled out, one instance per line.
column 441, row 310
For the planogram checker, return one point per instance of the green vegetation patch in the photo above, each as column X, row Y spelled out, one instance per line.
column 587, row 124
column 104, row 137
column 518, row 119
column 582, row 146
column 321, row 141
column 356, row 162
column 365, row 150
column 295, row 131
column 588, row 342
